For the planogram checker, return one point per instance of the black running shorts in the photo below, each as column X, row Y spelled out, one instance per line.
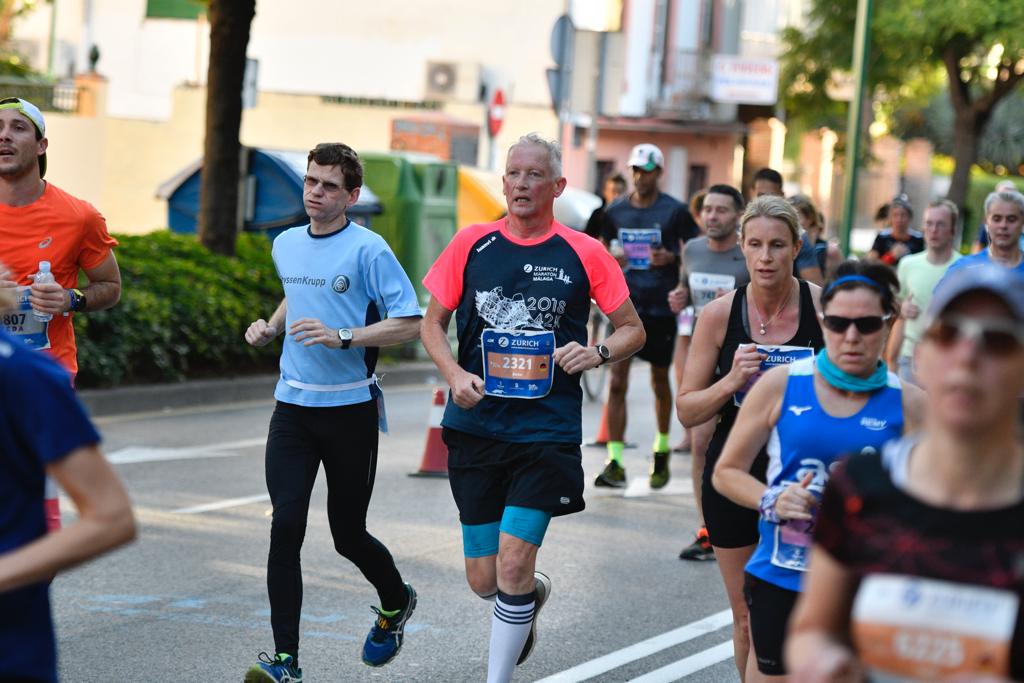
column 769, row 607
column 487, row 475
column 661, row 341
column 729, row 525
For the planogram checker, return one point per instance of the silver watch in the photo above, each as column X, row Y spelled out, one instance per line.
column 345, row 335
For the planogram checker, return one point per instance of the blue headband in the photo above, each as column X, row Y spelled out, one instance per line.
column 853, row 278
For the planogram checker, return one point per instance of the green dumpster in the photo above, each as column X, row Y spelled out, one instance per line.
column 418, row 195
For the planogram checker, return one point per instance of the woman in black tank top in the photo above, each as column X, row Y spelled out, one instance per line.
column 775, row 309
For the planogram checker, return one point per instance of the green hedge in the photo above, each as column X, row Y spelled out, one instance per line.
column 183, row 313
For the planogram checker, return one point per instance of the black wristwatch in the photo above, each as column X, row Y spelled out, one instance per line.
column 345, row 335
column 76, row 303
column 605, row 354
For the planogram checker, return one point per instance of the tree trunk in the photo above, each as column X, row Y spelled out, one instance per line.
column 230, row 21
column 967, row 134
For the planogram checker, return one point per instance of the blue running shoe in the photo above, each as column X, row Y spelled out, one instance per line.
column 385, row 638
column 280, row 669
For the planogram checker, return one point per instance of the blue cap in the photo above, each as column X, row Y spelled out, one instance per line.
column 32, row 113
column 1004, row 282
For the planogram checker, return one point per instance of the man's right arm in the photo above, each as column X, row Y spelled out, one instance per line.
column 262, row 332
column 467, row 388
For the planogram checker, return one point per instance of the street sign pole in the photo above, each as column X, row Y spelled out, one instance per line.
column 854, row 121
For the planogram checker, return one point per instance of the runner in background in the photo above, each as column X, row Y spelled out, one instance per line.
column 981, row 241
column 738, row 337
column 713, row 265
column 614, row 188
column 916, row 568
column 646, row 232
column 918, row 275
column 813, row 226
column 897, row 240
column 40, row 222
column 846, row 393
column 685, row 317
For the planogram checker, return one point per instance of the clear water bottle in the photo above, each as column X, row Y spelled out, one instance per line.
column 44, row 275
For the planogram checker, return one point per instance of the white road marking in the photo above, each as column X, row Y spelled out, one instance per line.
column 684, row 667
column 222, row 504
column 645, row 648
column 136, row 454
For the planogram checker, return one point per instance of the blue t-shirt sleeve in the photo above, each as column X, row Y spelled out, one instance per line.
column 390, row 287
column 806, row 258
column 42, row 411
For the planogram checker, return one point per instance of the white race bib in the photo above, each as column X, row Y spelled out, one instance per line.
column 705, row 288
column 22, row 323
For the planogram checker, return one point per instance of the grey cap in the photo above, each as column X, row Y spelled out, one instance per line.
column 1004, row 282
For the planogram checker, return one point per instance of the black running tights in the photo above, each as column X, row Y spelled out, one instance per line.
column 344, row 438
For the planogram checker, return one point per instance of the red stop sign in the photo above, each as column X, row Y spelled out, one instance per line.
column 496, row 112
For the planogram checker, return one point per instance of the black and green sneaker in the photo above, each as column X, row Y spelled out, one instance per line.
column 281, row 669
column 613, row 475
column 659, row 470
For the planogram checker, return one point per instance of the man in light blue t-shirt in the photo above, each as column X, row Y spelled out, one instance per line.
column 345, row 296
column 1004, row 218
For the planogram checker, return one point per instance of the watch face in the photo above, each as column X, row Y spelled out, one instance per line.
column 603, row 351
column 345, row 334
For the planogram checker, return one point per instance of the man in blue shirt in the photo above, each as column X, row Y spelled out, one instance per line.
column 33, row 390
column 1004, row 217
column 645, row 231
column 345, row 296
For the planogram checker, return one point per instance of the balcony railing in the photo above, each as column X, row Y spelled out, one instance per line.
column 683, row 90
column 62, row 97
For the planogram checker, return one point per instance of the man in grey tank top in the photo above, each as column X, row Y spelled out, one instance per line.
column 713, row 265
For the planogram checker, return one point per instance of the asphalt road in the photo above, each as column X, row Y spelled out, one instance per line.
column 187, row 601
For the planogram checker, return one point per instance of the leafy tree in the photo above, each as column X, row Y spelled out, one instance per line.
column 11, row 63
column 230, row 21
column 977, row 44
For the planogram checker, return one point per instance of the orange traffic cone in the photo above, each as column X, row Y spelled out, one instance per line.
column 435, row 452
column 602, row 430
column 51, row 506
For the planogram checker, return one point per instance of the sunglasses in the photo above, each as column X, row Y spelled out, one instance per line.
column 995, row 335
column 865, row 325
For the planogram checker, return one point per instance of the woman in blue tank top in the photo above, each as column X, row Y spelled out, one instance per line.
column 738, row 336
column 810, row 414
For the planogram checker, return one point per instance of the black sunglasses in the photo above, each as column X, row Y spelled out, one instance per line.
column 866, row 325
column 994, row 335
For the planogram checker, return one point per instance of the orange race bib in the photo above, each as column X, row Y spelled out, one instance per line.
column 908, row 629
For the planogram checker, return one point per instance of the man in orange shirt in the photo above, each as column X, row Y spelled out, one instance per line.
column 40, row 222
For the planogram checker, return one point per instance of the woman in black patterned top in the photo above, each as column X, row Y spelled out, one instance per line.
column 917, row 572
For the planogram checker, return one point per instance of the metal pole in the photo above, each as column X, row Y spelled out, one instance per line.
column 51, row 61
column 592, row 132
column 861, row 42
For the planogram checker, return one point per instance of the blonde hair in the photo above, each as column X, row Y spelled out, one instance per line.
column 771, row 206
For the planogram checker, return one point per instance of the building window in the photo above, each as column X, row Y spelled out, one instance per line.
column 174, row 9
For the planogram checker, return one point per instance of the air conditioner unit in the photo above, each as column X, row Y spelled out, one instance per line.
column 454, row 81
column 442, row 80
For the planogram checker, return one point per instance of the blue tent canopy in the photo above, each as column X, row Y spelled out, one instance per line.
column 273, row 196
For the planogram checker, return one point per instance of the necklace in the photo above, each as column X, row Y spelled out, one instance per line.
column 765, row 323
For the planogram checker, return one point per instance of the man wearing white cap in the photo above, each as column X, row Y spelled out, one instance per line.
column 40, row 222
column 645, row 232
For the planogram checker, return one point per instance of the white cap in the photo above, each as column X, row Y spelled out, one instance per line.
column 646, row 157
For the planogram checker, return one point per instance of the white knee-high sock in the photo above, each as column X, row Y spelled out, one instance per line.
column 510, row 625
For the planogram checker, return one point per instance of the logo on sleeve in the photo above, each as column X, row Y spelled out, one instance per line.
column 340, row 284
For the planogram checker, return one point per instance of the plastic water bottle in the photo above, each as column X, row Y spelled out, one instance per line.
column 44, row 275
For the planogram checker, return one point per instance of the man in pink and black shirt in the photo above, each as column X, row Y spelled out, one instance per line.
column 520, row 289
